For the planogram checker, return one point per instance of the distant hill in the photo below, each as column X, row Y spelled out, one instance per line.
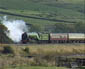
column 63, row 11
column 47, row 8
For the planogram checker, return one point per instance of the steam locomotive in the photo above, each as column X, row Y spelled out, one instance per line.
column 53, row 37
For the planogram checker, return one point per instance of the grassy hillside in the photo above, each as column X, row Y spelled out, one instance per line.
column 61, row 11
column 3, row 37
column 55, row 9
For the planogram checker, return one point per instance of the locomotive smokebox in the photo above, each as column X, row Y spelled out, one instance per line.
column 24, row 38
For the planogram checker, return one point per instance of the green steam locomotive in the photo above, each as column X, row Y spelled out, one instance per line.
column 53, row 37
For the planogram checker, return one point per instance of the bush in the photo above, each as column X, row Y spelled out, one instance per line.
column 26, row 50
column 8, row 49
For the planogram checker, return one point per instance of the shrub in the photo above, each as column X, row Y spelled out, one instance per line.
column 26, row 50
column 8, row 49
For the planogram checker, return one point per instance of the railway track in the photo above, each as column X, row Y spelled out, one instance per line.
column 45, row 44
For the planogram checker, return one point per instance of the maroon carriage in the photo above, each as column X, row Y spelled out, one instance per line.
column 59, row 37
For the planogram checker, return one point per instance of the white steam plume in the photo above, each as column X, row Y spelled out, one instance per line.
column 15, row 28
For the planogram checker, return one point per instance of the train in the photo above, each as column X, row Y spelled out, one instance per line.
column 34, row 37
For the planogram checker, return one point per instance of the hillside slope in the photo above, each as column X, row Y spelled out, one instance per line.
column 66, row 11
column 47, row 8
column 3, row 37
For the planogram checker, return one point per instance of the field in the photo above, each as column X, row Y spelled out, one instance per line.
column 42, row 55
column 38, row 67
column 44, row 13
column 50, row 49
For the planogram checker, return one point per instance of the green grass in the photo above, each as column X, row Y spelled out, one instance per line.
column 82, row 67
column 36, row 67
column 51, row 9
column 67, row 10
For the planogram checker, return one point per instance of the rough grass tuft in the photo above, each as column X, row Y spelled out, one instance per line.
column 8, row 49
